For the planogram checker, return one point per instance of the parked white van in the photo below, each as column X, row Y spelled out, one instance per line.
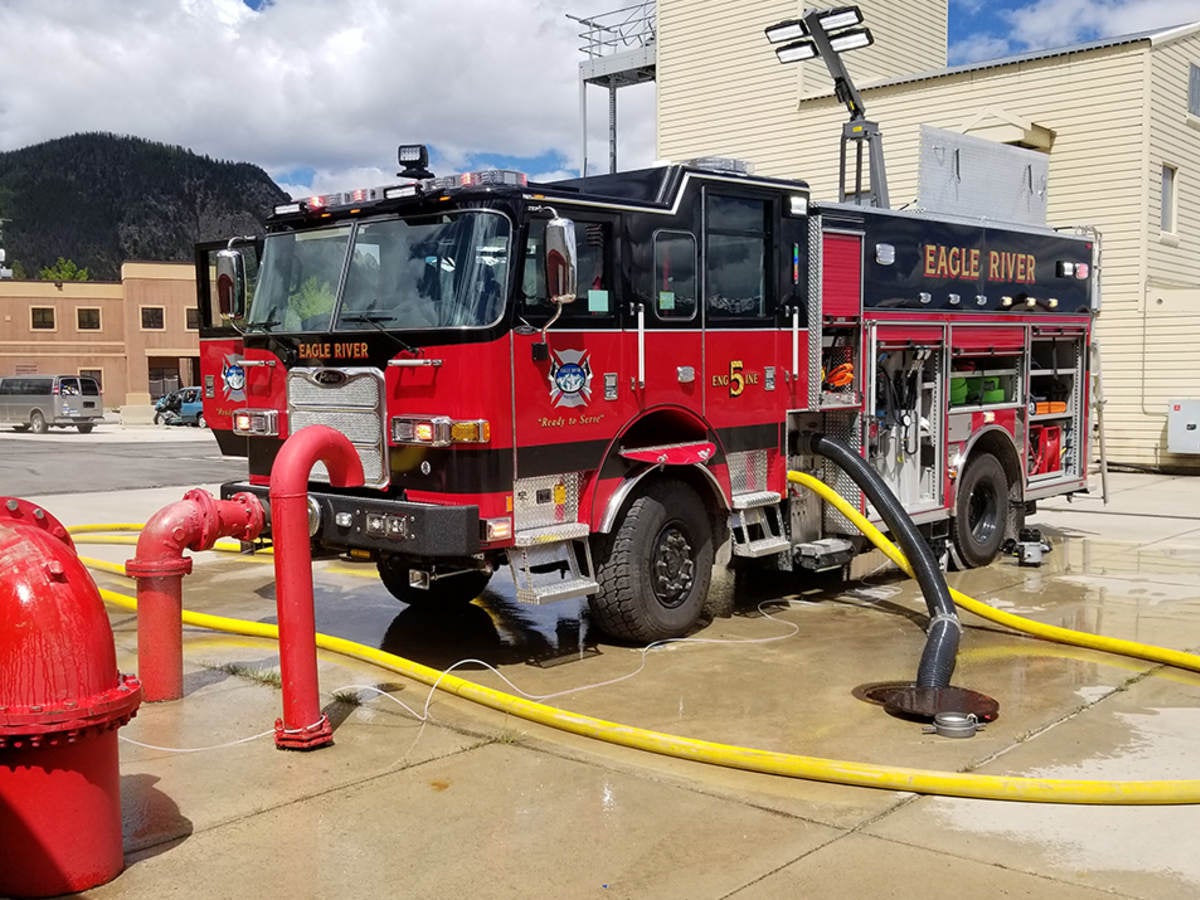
column 39, row 401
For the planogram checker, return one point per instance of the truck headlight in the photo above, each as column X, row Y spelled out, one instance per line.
column 263, row 422
column 440, row 431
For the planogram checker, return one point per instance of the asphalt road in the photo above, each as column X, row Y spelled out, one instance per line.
column 70, row 463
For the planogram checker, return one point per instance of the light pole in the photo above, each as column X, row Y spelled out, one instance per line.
column 827, row 33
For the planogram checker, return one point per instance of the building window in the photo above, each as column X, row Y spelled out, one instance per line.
column 96, row 374
column 1194, row 90
column 42, row 318
column 1170, row 177
column 87, row 318
column 193, row 318
column 153, row 318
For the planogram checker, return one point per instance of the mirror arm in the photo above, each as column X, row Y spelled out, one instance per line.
column 553, row 318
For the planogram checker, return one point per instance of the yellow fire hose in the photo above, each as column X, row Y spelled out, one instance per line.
column 834, row 771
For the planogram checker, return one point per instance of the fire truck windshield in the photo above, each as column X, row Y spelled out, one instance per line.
column 444, row 271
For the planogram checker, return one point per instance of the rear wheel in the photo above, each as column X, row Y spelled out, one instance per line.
column 981, row 511
column 458, row 589
column 654, row 569
column 84, row 428
column 37, row 422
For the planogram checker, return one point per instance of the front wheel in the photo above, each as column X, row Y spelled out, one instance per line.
column 980, row 511
column 654, row 569
column 459, row 589
column 158, row 418
column 37, row 422
column 201, row 422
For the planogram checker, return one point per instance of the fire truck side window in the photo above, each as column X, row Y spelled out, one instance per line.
column 674, row 275
column 735, row 269
column 593, row 297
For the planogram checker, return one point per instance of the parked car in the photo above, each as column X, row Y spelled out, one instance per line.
column 38, row 401
column 182, row 407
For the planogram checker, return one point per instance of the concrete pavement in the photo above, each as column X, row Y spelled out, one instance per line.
column 473, row 801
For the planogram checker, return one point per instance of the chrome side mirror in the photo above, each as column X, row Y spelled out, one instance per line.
column 562, row 261
column 231, row 285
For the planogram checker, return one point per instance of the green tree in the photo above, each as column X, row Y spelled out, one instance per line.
column 63, row 270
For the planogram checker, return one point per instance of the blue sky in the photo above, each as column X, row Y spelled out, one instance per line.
column 988, row 29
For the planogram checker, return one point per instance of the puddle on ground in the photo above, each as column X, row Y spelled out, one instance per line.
column 1159, row 744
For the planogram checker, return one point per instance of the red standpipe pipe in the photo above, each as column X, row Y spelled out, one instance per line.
column 193, row 523
column 303, row 726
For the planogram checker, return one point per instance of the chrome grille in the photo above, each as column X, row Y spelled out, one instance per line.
column 349, row 400
column 354, row 424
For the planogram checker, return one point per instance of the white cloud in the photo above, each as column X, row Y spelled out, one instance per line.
column 1058, row 23
column 976, row 47
column 328, row 85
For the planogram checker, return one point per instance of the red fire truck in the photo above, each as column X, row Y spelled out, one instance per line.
column 602, row 382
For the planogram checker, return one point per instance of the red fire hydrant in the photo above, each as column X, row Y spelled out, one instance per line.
column 61, row 703
column 193, row 523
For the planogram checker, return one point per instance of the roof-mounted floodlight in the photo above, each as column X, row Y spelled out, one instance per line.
column 852, row 39
column 827, row 34
column 830, row 19
column 786, row 31
column 797, row 52
column 414, row 158
column 841, row 17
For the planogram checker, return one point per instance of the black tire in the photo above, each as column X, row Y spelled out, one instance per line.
column 654, row 568
column 38, row 423
column 158, row 418
column 980, row 511
column 84, row 428
column 450, row 591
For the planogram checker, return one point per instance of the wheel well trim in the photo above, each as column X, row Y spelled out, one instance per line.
column 617, row 498
column 1010, row 465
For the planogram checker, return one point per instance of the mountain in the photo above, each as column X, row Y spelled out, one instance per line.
column 102, row 199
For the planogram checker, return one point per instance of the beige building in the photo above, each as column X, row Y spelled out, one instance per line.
column 139, row 337
column 1119, row 119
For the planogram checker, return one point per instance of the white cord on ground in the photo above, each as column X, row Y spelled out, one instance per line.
column 245, row 740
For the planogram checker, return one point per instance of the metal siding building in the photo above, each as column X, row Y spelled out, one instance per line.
column 1110, row 114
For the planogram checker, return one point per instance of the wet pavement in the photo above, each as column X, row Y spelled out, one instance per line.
column 475, row 801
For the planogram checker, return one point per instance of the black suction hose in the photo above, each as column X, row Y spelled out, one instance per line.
column 941, row 642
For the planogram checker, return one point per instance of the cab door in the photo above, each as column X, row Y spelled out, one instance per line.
column 572, row 393
column 663, row 325
column 745, row 394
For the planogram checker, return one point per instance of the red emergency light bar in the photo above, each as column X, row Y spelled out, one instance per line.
column 359, row 196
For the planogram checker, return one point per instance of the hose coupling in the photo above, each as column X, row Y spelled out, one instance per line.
column 954, row 725
column 944, row 617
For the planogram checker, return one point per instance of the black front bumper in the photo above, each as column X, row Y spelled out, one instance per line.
column 412, row 529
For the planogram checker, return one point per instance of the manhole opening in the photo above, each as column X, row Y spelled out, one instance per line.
column 907, row 701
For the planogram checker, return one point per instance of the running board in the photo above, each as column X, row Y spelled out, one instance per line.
column 548, row 566
column 756, row 525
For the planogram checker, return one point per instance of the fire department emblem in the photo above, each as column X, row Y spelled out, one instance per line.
column 570, row 378
column 233, row 378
